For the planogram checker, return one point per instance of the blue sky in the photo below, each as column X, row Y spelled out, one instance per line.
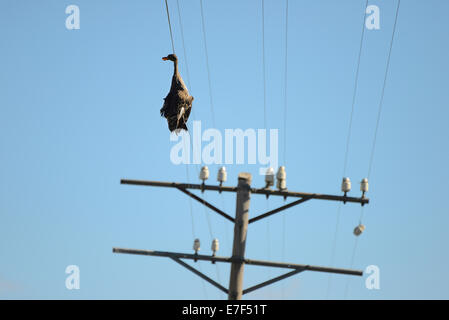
column 79, row 110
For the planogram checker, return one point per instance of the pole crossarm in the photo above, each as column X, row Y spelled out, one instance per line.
column 269, row 213
column 302, row 267
column 293, row 194
column 264, row 191
column 177, row 185
column 172, row 255
column 207, row 204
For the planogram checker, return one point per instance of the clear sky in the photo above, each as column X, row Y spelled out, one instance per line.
column 79, row 110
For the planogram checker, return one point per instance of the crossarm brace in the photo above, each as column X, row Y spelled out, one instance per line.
column 269, row 213
column 207, row 204
column 268, row 282
column 200, row 274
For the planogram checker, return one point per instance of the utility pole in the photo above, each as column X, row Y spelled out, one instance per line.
column 241, row 222
column 240, row 231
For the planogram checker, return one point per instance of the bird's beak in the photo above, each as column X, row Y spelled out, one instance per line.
column 164, row 58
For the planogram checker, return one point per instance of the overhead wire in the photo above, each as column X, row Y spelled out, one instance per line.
column 263, row 68
column 181, row 28
column 285, row 133
column 268, row 247
column 268, row 235
column 348, row 138
column 379, row 112
column 189, row 83
column 209, row 83
column 356, row 80
column 207, row 63
column 285, row 82
column 169, row 26
column 203, row 24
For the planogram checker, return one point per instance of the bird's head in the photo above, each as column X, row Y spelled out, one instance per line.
column 171, row 57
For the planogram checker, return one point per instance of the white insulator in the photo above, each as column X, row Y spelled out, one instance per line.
column 281, row 174
column 364, row 185
column 222, row 175
column 359, row 229
column 269, row 177
column 346, row 185
column 281, row 178
column 196, row 245
column 281, row 185
column 215, row 245
column 204, row 174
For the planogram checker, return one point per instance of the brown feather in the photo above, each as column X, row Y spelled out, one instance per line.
column 177, row 98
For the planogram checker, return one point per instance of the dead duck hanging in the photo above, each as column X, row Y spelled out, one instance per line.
column 178, row 102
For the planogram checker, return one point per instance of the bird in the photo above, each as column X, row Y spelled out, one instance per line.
column 178, row 102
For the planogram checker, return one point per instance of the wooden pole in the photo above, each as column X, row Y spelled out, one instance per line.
column 240, row 231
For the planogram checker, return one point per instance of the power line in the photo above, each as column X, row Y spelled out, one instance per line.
column 211, row 234
column 263, row 66
column 193, row 228
column 348, row 138
column 354, row 91
column 354, row 249
column 169, row 26
column 285, row 83
column 183, row 45
column 171, row 36
column 268, row 235
column 190, row 199
column 285, row 131
column 181, row 28
column 382, row 98
column 268, row 243
column 210, row 96
column 189, row 83
column 207, row 63
column 334, row 248
column 376, row 130
column 383, row 91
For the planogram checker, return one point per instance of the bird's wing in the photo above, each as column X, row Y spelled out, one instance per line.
column 171, row 102
column 187, row 113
